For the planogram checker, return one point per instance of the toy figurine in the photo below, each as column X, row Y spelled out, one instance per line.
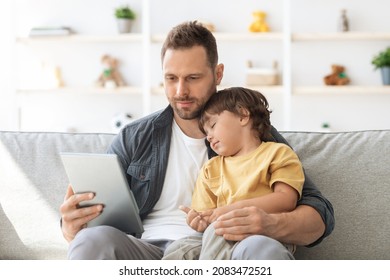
column 338, row 77
column 344, row 23
column 110, row 76
column 259, row 24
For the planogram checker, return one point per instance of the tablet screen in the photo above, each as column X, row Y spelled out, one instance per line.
column 102, row 174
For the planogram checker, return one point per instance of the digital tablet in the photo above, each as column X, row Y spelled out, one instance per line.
column 102, row 174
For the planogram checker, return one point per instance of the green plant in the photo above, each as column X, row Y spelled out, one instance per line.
column 124, row 12
column 382, row 59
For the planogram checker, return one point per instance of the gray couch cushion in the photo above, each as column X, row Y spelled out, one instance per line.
column 352, row 171
column 32, row 187
column 350, row 168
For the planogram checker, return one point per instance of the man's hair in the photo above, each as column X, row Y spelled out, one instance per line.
column 237, row 100
column 189, row 34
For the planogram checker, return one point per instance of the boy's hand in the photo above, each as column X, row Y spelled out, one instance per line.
column 196, row 220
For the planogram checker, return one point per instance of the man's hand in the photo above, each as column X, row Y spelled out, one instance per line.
column 197, row 220
column 241, row 223
column 217, row 212
column 75, row 218
column 301, row 226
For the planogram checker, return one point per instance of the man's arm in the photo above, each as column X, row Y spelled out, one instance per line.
column 302, row 226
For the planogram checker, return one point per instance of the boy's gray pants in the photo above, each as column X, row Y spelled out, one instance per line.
column 214, row 247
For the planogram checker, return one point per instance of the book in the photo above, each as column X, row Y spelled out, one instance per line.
column 50, row 31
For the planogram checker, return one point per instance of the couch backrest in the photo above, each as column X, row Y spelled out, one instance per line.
column 32, row 187
column 350, row 168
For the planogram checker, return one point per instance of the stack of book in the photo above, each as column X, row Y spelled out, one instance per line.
column 50, row 31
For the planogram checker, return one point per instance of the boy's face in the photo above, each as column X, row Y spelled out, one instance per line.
column 189, row 81
column 225, row 133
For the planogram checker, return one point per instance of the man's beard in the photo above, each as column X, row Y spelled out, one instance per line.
column 191, row 114
column 188, row 114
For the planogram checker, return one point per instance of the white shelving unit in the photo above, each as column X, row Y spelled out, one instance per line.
column 77, row 38
column 286, row 39
column 344, row 36
column 344, row 90
column 84, row 91
column 83, row 39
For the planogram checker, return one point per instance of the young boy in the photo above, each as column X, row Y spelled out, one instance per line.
column 248, row 172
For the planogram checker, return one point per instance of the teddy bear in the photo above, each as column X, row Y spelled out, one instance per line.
column 337, row 77
column 110, row 77
column 259, row 24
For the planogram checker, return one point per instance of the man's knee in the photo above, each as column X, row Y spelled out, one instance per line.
column 96, row 243
column 259, row 247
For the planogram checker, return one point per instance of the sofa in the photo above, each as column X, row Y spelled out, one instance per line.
column 352, row 169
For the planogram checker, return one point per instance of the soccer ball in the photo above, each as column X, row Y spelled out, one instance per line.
column 120, row 120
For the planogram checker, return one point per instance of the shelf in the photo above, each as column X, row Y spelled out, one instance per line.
column 308, row 90
column 83, row 91
column 267, row 36
column 263, row 89
column 220, row 36
column 361, row 90
column 231, row 37
column 77, row 38
column 341, row 36
column 137, row 37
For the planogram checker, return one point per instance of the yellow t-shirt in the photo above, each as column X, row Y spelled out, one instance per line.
column 224, row 180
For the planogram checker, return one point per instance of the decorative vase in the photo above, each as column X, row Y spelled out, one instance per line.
column 124, row 25
column 385, row 71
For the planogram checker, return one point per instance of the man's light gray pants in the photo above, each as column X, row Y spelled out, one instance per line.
column 108, row 243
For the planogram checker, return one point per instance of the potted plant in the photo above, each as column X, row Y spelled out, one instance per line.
column 125, row 17
column 382, row 61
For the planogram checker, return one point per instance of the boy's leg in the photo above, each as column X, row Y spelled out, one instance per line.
column 187, row 248
column 215, row 247
column 104, row 242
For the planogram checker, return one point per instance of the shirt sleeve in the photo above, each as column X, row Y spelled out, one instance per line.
column 287, row 168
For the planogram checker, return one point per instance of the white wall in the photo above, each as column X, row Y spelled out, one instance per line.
column 80, row 63
column 8, row 114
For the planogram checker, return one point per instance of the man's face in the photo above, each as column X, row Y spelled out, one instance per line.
column 188, row 80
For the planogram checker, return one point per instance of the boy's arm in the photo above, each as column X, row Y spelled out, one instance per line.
column 283, row 199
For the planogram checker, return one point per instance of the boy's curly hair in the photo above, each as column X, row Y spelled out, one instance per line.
column 235, row 99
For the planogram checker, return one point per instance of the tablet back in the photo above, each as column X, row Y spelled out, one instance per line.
column 102, row 174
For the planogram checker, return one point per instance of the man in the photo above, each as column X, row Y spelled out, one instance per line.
column 162, row 155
